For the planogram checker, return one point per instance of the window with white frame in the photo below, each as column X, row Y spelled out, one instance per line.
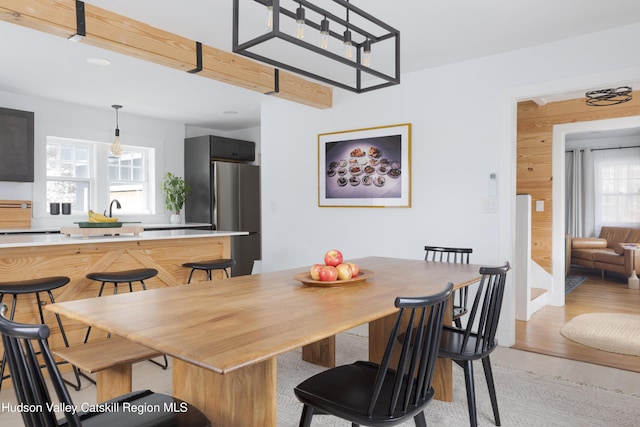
column 128, row 177
column 84, row 174
column 69, row 173
column 617, row 187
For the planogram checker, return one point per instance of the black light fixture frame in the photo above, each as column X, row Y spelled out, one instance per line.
column 607, row 97
column 369, row 39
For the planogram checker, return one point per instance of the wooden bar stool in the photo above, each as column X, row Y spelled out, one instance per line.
column 210, row 265
column 121, row 277
column 36, row 286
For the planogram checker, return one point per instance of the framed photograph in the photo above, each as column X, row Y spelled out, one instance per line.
column 365, row 167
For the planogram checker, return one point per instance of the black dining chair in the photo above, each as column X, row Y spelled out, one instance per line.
column 477, row 339
column 456, row 256
column 23, row 343
column 388, row 393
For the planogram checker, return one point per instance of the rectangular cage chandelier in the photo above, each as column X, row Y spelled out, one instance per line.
column 338, row 43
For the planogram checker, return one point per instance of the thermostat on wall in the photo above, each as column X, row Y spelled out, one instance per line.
column 493, row 184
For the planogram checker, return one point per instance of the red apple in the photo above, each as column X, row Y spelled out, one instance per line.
column 315, row 271
column 344, row 271
column 328, row 273
column 333, row 257
column 355, row 270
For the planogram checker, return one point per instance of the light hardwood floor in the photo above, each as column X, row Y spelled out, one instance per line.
column 541, row 334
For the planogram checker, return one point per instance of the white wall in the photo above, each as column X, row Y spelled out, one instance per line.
column 66, row 120
column 447, row 187
column 463, row 119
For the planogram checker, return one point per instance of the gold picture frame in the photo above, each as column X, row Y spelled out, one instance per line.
column 368, row 167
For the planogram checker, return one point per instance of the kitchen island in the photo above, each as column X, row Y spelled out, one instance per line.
column 28, row 256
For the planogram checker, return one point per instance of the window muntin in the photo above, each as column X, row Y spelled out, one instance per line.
column 617, row 188
column 68, row 173
column 129, row 181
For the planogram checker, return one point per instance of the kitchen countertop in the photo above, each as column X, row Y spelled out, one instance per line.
column 56, row 229
column 53, row 239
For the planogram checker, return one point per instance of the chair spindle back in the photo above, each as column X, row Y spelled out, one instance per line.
column 23, row 344
column 443, row 254
column 487, row 304
column 420, row 321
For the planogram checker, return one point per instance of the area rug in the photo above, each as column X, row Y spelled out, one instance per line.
column 572, row 282
column 613, row 332
column 524, row 399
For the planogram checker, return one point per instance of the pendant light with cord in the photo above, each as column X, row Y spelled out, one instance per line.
column 116, row 148
column 346, row 40
column 300, row 22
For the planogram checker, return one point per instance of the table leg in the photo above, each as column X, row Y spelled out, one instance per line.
column 442, row 381
column 322, row 353
column 113, row 382
column 244, row 397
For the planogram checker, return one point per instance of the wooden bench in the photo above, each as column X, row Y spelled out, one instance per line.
column 111, row 359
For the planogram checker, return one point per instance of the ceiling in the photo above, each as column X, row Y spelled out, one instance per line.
column 432, row 34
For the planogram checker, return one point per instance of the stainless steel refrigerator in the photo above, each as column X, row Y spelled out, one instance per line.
column 227, row 195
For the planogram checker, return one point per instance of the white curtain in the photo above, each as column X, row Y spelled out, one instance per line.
column 574, row 193
column 579, row 198
column 617, row 187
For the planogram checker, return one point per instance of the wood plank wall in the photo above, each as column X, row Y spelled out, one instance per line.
column 534, row 158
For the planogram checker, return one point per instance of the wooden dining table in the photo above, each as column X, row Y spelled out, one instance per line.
column 225, row 336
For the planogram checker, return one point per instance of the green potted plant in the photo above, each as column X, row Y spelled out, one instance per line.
column 175, row 194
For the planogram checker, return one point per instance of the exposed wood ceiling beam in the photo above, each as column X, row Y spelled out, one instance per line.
column 120, row 34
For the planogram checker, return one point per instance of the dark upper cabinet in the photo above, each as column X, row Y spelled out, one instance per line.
column 221, row 148
column 16, row 145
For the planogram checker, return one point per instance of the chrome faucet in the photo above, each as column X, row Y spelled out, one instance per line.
column 118, row 206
